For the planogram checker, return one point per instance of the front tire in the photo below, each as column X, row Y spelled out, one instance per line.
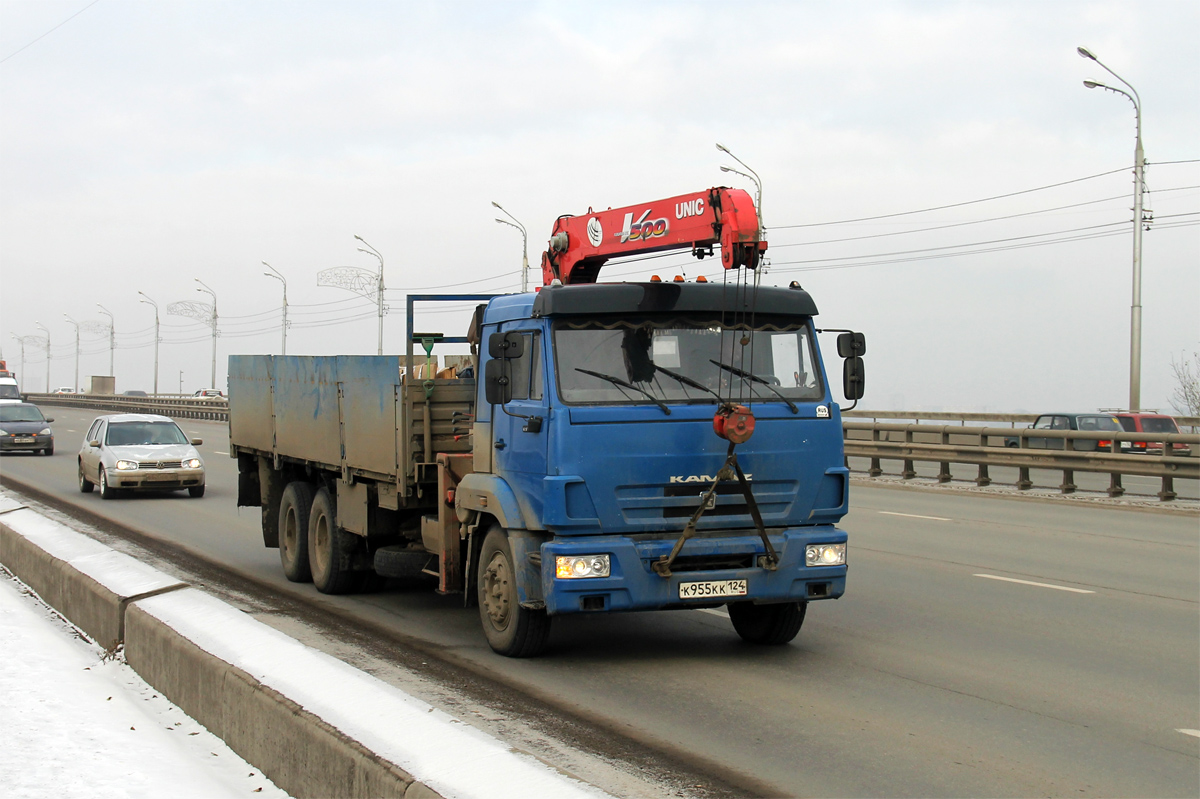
column 511, row 630
column 48, row 450
column 106, row 490
column 769, row 625
column 294, row 508
column 85, row 485
column 196, row 491
column 329, row 548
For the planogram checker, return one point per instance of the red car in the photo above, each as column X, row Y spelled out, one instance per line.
column 1151, row 423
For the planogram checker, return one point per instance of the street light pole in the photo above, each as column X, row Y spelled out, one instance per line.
column 207, row 290
column 45, row 330
column 21, row 341
column 755, row 179
column 1139, row 188
column 379, row 288
column 278, row 276
column 524, row 244
column 72, row 321
column 112, row 337
column 149, row 301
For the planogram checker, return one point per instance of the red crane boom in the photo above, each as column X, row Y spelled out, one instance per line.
column 580, row 245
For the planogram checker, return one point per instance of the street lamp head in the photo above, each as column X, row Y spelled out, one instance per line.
column 723, row 148
column 1091, row 84
column 1085, row 53
column 497, row 204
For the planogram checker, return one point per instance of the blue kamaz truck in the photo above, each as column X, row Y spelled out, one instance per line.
column 605, row 447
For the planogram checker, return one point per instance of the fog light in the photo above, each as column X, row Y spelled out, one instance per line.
column 126, row 466
column 573, row 567
column 825, row 555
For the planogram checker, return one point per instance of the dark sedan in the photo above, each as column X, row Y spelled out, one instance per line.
column 23, row 428
column 1086, row 422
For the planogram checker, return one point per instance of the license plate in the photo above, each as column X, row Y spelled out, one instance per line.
column 26, row 440
column 160, row 478
column 712, row 588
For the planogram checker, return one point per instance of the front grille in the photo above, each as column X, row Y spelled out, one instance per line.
column 161, row 465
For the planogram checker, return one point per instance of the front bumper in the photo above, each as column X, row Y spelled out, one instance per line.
column 19, row 443
column 633, row 584
column 156, row 479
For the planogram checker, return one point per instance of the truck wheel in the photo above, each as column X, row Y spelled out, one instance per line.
column 85, row 485
column 767, row 624
column 511, row 630
column 329, row 548
column 293, row 531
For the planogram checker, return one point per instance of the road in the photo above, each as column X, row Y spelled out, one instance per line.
column 985, row 646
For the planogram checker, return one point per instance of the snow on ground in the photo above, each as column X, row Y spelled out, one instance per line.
column 75, row 722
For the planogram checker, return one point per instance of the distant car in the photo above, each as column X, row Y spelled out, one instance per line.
column 1086, row 422
column 9, row 390
column 23, row 428
column 1151, row 423
column 208, row 394
column 64, row 390
column 134, row 393
column 139, row 452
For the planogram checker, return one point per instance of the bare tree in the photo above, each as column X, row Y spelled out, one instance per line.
column 1186, row 397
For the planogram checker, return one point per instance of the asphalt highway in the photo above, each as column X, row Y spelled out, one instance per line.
column 984, row 647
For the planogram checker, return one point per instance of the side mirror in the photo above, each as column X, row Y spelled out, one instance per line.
column 49, row 419
column 506, row 345
column 497, row 385
column 852, row 345
column 94, row 443
column 197, row 442
column 854, row 379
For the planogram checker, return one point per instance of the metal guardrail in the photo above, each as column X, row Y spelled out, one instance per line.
column 964, row 417
column 999, row 446
column 186, row 407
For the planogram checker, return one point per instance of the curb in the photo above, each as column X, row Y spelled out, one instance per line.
column 311, row 723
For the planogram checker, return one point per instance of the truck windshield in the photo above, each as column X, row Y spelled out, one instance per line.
column 684, row 360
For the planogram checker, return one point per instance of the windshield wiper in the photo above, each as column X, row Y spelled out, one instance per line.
column 687, row 381
column 616, row 381
column 742, row 373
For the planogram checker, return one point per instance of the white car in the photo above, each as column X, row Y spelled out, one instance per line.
column 9, row 390
column 64, row 390
column 139, row 452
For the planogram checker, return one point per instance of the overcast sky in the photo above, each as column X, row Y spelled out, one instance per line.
column 147, row 144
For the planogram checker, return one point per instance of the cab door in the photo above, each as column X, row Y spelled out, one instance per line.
column 520, row 427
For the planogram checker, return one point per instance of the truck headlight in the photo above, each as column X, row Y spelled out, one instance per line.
column 192, row 463
column 126, row 466
column 570, row 567
column 825, row 555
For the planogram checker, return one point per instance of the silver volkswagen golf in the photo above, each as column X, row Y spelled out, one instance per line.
column 138, row 451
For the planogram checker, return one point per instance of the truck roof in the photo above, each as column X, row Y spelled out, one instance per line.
column 626, row 298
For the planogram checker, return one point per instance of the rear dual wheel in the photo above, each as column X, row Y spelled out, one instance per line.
column 293, row 531
column 330, row 548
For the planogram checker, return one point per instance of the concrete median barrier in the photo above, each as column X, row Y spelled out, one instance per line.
column 313, row 724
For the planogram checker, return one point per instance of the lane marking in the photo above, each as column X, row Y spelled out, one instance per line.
column 1039, row 585
column 218, row 452
column 915, row 516
column 1193, row 733
column 714, row 612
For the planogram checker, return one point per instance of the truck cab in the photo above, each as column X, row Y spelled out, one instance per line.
column 594, row 448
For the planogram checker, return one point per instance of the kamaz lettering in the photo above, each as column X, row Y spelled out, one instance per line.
column 691, row 208
column 699, row 478
column 643, row 229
